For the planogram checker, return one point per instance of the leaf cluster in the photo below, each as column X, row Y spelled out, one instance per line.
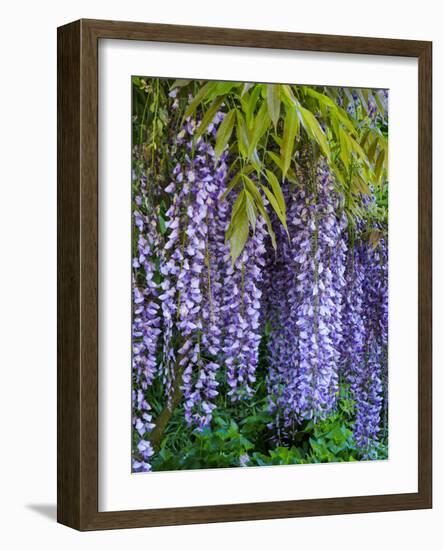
column 264, row 127
column 241, row 433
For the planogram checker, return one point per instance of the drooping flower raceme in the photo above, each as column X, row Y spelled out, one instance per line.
column 307, row 323
column 145, row 330
column 242, row 315
column 367, row 349
column 211, row 305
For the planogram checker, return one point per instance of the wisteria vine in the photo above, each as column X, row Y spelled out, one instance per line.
column 320, row 297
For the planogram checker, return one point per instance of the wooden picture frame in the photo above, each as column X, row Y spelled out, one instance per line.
column 77, row 481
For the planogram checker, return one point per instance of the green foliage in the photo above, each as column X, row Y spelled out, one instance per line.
column 264, row 127
column 220, row 447
column 240, row 436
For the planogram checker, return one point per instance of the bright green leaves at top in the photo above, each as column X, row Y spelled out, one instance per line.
column 274, row 102
column 247, row 207
column 308, row 121
column 263, row 126
column 313, row 129
column 249, row 103
column 250, row 134
column 199, row 97
column 259, row 126
column 223, row 88
column 290, row 131
column 209, row 91
column 180, row 83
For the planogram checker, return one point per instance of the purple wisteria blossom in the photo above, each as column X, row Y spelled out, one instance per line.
column 366, row 357
column 145, row 330
column 211, row 305
column 192, row 285
column 306, row 323
column 241, row 314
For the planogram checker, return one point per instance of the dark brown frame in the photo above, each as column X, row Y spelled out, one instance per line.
column 77, row 457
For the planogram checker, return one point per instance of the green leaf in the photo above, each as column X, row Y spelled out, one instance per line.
column 344, row 147
column 255, row 160
column 371, row 149
column 275, row 205
column 379, row 165
column 252, row 188
column 223, row 88
column 365, row 93
column 246, row 170
column 290, row 175
column 275, row 185
column 224, row 133
column 260, row 207
column 321, row 98
column 313, row 129
column 349, row 95
column 361, row 185
column 179, row 83
column 364, row 137
column 250, row 104
column 231, row 186
column 162, row 224
column 245, row 443
column 276, row 159
column 357, row 150
column 339, row 174
column 278, row 140
column 261, row 124
column 240, row 232
column 238, row 205
column 274, row 101
column 209, row 116
column 290, row 131
column 345, row 119
column 361, row 92
column 288, row 96
column 246, row 88
column 379, row 102
column 200, row 96
column 251, row 210
column 374, row 237
column 242, row 135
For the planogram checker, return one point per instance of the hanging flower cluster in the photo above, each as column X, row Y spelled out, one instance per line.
column 241, row 315
column 328, row 316
column 145, row 328
column 365, row 352
column 210, row 306
column 306, row 307
column 188, row 296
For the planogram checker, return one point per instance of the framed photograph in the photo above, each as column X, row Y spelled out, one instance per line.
column 244, row 275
